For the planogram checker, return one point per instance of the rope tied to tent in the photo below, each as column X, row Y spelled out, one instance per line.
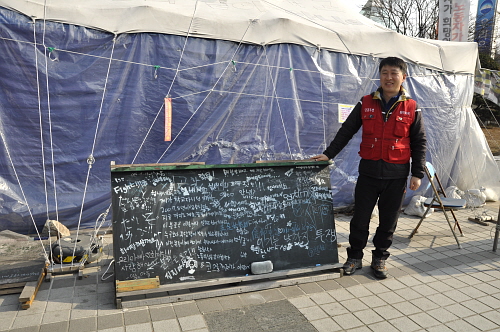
column 91, row 159
column 204, row 99
column 155, row 74
column 51, row 50
column 171, row 84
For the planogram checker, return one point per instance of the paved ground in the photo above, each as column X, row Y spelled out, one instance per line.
column 434, row 286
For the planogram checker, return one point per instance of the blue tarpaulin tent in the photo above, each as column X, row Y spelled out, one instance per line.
column 83, row 84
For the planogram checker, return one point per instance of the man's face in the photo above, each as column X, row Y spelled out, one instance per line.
column 391, row 79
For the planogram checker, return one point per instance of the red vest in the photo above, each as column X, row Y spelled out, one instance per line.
column 388, row 140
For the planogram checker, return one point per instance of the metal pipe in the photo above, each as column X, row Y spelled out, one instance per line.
column 495, row 241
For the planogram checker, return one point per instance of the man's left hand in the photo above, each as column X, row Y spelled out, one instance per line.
column 415, row 183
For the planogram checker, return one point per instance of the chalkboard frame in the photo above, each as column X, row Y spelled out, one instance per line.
column 115, row 169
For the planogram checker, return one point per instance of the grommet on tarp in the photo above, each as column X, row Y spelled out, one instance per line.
column 51, row 49
column 317, row 49
column 155, row 74
column 234, row 65
column 90, row 160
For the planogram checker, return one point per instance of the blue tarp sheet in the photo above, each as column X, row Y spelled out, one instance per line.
column 74, row 99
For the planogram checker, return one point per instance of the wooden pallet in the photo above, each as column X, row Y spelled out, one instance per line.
column 155, row 294
column 30, row 290
column 12, row 288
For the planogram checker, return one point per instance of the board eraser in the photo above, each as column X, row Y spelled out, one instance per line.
column 261, row 267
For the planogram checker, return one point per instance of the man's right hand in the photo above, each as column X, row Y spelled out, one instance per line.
column 320, row 157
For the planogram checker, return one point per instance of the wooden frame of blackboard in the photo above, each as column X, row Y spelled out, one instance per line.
column 306, row 170
column 227, row 286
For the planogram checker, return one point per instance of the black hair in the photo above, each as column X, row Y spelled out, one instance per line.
column 394, row 62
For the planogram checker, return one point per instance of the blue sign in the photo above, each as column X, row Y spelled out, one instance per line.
column 485, row 24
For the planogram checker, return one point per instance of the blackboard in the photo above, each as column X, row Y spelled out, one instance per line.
column 198, row 222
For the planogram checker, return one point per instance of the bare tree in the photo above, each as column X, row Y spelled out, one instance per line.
column 416, row 18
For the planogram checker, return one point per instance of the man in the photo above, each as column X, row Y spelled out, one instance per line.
column 392, row 132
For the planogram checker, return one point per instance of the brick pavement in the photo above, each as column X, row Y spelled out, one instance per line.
column 433, row 286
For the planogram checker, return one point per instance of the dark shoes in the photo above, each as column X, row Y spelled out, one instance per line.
column 378, row 267
column 351, row 265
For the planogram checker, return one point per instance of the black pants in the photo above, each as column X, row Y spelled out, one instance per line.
column 390, row 195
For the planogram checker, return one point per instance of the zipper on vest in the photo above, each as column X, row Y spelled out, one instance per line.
column 390, row 110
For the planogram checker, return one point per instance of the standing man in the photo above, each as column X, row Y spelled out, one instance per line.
column 393, row 131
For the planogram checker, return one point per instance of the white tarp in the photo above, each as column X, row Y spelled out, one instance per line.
column 327, row 24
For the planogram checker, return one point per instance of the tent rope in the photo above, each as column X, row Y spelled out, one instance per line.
column 275, row 95
column 492, row 139
column 41, row 140
column 91, row 159
column 171, row 84
column 229, row 63
column 42, row 143
column 41, row 123
column 443, row 169
column 484, row 125
column 24, row 196
column 323, row 110
column 49, row 108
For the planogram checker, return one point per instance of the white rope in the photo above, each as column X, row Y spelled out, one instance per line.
column 41, row 123
column 41, row 139
column 94, row 239
column 481, row 123
column 484, row 126
column 51, row 141
column 90, row 159
column 42, row 143
column 275, row 95
column 323, row 110
column 471, row 165
column 171, row 84
column 22, row 192
column 48, row 94
column 207, row 65
column 229, row 63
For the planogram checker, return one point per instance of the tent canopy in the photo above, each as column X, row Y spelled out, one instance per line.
column 328, row 24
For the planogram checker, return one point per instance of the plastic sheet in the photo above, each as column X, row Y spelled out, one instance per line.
column 90, row 95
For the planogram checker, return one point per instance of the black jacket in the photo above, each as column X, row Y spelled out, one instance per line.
column 378, row 168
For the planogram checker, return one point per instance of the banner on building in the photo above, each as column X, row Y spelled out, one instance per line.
column 485, row 24
column 454, row 20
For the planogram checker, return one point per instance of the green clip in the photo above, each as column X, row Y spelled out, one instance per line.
column 157, row 67
column 50, row 49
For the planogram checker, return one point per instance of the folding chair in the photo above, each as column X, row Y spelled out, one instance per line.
column 440, row 202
